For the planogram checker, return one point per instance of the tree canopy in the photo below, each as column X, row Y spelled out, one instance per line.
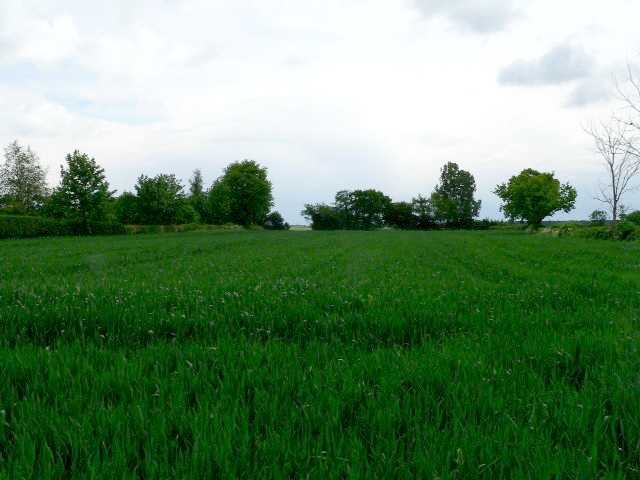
column 532, row 196
column 452, row 201
column 83, row 193
column 248, row 192
column 161, row 201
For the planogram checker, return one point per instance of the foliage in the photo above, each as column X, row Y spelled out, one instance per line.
column 400, row 215
column 633, row 217
column 327, row 355
column 161, row 201
column 533, row 195
column 23, row 185
column 248, row 192
column 217, row 209
column 16, row 226
column 598, row 217
column 623, row 230
column 453, row 202
column 83, row 193
column 127, row 209
column 423, row 211
column 362, row 209
column 324, row 217
column 275, row 221
column 197, row 195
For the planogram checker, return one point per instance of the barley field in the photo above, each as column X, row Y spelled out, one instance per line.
column 320, row 355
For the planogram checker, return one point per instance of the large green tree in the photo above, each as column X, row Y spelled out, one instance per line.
column 161, row 201
column 452, row 201
column 248, row 192
column 23, row 185
column 83, row 194
column 532, row 196
column 362, row 209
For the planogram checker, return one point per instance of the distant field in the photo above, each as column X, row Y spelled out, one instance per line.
column 323, row 355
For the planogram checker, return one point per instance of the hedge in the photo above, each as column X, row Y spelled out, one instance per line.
column 22, row 226
column 622, row 231
column 188, row 227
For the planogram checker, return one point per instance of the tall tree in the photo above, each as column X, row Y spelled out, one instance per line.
column 197, row 196
column 83, row 193
column 615, row 146
column 249, row 192
column 23, row 185
column 532, row 196
column 453, row 200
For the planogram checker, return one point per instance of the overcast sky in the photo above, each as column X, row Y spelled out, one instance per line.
column 328, row 94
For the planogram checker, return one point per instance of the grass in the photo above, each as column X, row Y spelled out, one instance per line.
column 319, row 355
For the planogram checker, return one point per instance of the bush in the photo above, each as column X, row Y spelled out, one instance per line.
column 633, row 217
column 626, row 231
column 16, row 226
column 274, row 221
column 598, row 217
column 622, row 231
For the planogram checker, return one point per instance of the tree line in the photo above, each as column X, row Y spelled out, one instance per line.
column 241, row 195
column 529, row 197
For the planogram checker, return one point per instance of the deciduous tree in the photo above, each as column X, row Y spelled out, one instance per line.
column 533, row 195
column 83, row 193
column 453, row 201
column 23, row 185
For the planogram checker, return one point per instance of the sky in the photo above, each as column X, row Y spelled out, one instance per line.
column 327, row 94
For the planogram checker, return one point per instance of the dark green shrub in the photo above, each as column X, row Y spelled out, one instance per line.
column 22, row 226
column 626, row 231
column 275, row 221
column 633, row 217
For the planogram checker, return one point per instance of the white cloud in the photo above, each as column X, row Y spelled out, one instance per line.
column 479, row 16
column 563, row 63
column 328, row 95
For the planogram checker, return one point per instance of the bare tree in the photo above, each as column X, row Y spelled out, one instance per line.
column 617, row 148
column 629, row 93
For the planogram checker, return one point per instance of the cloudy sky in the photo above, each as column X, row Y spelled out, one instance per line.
column 328, row 94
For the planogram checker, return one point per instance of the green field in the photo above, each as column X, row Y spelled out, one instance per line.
column 319, row 355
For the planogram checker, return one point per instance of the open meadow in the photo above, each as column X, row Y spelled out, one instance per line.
column 319, row 355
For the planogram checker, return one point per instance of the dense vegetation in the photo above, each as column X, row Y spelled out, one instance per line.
column 319, row 355
column 83, row 204
column 451, row 205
